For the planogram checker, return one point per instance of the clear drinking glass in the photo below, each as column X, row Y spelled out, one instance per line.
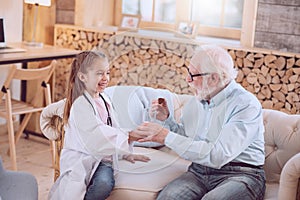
column 149, row 116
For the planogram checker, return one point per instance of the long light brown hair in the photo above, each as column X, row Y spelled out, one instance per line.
column 76, row 87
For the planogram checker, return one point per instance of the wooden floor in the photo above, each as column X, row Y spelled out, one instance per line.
column 33, row 156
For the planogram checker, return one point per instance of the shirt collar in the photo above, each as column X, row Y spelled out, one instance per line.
column 223, row 94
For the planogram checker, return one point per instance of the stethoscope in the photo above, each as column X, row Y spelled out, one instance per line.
column 109, row 121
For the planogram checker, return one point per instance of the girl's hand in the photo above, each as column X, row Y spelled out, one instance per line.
column 136, row 157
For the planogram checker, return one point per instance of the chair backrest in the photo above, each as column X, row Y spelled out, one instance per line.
column 9, row 73
column 41, row 75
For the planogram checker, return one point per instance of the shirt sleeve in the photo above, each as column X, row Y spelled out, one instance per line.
column 172, row 125
column 235, row 135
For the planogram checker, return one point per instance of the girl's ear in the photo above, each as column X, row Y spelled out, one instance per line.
column 81, row 77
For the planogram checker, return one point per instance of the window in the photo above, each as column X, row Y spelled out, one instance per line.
column 154, row 13
column 164, row 10
column 218, row 13
column 234, row 19
column 220, row 18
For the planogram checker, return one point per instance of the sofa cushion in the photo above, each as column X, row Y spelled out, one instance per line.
column 146, row 179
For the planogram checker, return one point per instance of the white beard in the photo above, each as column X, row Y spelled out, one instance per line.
column 203, row 94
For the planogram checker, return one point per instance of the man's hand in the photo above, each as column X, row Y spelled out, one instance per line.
column 136, row 135
column 160, row 107
column 133, row 136
column 151, row 132
column 136, row 157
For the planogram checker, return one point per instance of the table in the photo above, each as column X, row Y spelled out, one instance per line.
column 33, row 54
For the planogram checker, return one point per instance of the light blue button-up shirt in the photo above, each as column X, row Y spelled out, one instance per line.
column 228, row 129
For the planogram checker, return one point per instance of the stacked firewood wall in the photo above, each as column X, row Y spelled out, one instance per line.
column 148, row 62
column 136, row 60
column 78, row 39
column 274, row 79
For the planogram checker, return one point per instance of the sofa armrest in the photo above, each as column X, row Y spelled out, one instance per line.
column 51, row 120
column 289, row 178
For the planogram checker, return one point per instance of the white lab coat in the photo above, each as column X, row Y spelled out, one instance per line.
column 87, row 141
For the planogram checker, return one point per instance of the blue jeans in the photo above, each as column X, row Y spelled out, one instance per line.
column 102, row 182
column 229, row 182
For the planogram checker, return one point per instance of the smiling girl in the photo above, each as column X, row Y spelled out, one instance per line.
column 92, row 142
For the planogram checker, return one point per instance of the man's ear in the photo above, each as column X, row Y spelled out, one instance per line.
column 81, row 77
column 215, row 79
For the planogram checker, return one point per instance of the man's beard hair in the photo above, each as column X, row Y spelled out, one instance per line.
column 205, row 92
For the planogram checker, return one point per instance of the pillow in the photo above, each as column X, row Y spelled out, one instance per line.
column 131, row 104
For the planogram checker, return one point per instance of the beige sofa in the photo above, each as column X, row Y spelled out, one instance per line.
column 145, row 180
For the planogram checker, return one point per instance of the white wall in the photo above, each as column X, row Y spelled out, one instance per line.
column 93, row 13
column 12, row 11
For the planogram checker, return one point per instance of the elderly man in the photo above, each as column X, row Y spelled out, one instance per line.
column 221, row 132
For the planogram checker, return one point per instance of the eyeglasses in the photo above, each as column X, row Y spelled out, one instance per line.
column 195, row 75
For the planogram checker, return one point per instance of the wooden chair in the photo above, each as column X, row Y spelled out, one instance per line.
column 10, row 107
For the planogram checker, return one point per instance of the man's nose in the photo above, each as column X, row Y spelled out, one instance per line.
column 188, row 79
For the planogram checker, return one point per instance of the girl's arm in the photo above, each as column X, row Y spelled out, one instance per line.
column 97, row 138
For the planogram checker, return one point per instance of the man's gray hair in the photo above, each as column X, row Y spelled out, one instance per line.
column 214, row 59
